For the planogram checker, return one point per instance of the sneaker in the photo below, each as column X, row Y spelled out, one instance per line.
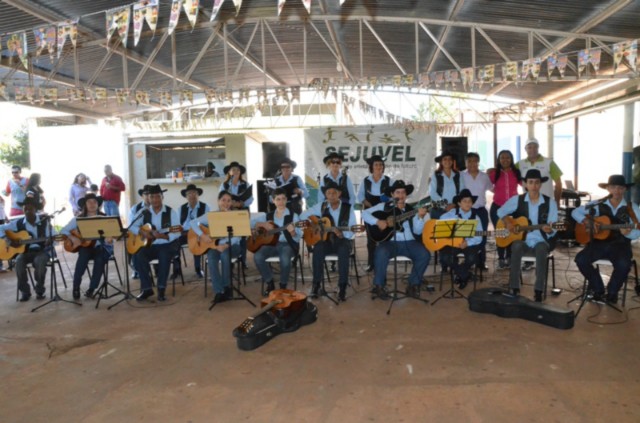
column 76, row 293
column 88, row 293
column 200, row 274
column 25, row 297
column 597, row 297
column 380, row 292
column 135, row 275
column 528, row 266
column 369, row 268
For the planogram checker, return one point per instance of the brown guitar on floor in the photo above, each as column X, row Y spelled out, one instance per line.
column 21, row 239
column 605, row 227
column 135, row 242
column 436, row 244
column 264, row 237
column 521, row 226
column 320, row 228
column 71, row 247
column 280, row 301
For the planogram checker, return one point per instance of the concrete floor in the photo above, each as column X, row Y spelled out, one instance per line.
column 178, row 362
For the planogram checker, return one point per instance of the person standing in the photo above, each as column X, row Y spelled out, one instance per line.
column 35, row 191
column 237, row 186
column 505, row 178
column 617, row 247
column 110, row 190
column 79, row 188
column 16, row 188
column 190, row 210
column 445, row 183
column 292, row 184
column 333, row 161
column 133, row 214
column 478, row 183
column 548, row 169
column 371, row 192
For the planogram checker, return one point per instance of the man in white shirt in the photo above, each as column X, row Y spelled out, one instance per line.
column 478, row 183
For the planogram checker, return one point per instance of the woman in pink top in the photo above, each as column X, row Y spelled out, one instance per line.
column 505, row 178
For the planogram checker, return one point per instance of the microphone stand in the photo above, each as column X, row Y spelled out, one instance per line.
column 53, row 282
column 127, row 293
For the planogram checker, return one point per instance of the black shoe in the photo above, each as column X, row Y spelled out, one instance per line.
column 527, row 266
column 413, row 291
column 314, row 290
column 161, row 296
column 462, row 284
column 76, row 293
column 219, row 298
column 515, row 291
column 25, row 297
column 200, row 273
column 342, row 294
column 637, row 289
column 40, row 295
column 597, row 297
column 270, row 287
column 483, row 266
column 369, row 268
column 380, row 292
column 228, row 293
column 88, row 293
column 283, row 286
column 145, row 294
column 538, row 296
column 612, row 299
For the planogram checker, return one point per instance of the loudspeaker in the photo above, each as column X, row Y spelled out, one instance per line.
column 263, row 197
column 458, row 146
column 272, row 154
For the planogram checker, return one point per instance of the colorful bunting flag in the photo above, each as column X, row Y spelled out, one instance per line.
column 118, row 20
column 588, row 56
column 626, row 50
column 45, row 39
column 191, row 9
column 3, row 91
column 307, row 5
column 101, row 95
column 467, row 75
column 144, row 10
column 217, row 4
column 68, row 29
column 281, row 6
column 17, row 46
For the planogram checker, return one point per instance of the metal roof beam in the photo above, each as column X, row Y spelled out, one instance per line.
column 440, row 46
column 443, row 37
column 385, row 47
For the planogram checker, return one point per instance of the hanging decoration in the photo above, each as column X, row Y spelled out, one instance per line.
column 17, row 46
column 627, row 50
column 144, row 10
column 45, row 40
column 307, row 5
column 535, row 68
column 186, row 95
column 217, row 4
column 175, row 15
column 589, row 56
column 510, row 71
column 67, row 29
column 49, row 94
column 281, row 6
column 142, row 97
column 101, row 95
column 3, row 91
column 118, row 20
column 486, row 74
column 191, row 10
column 121, row 96
column 467, row 75
column 166, row 98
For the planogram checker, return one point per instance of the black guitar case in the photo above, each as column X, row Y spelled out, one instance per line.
column 268, row 325
column 503, row 304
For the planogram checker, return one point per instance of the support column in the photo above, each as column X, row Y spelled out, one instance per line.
column 550, row 134
column 627, row 147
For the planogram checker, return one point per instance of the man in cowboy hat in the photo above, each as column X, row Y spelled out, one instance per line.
column 164, row 243
column 333, row 161
column 211, row 171
column 617, row 247
column 190, row 210
column 133, row 214
column 470, row 247
column 371, row 192
column 36, row 253
column 547, row 167
column 338, row 242
column 292, row 184
column 405, row 242
column 539, row 209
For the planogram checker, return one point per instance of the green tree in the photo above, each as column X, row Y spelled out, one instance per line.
column 16, row 152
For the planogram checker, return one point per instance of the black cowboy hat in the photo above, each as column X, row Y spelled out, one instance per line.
column 190, row 187
column 377, row 158
column 618, row 180
column 399, row 184
column 329, row 185
column 155, row 189
column 535, row 174
column 444, row 154
column 465, row 193
column 331, row 156
column 288, row 161
column 89, row 196
column 228, row 167
column 143, row 190
column 27, row 201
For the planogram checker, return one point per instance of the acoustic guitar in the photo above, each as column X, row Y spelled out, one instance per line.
column 319, row 228
column 198, row 247
column 73, row 247
column 393, row 223
column 262, row 237
column 144, row 237
column 436, row 244
column 281, row 301
column 586, row 228
column 18, row 242
column 521, row 226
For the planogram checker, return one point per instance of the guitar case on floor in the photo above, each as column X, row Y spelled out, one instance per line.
column 499, row 302
column 266, row 326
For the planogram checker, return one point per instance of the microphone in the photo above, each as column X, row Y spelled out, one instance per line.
column 58, row 211
column 597, row 203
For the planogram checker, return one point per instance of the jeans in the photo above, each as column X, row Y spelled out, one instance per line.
column 418, row 254
column 540, row 251
column 99, row 255
column 39, row 260
column 282, row 250
column 111, row 208
column 219, row 280
column 618, row 253
column 339, row 246
column 164, row 253
column 448, row 255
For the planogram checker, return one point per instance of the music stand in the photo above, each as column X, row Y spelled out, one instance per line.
column 227, row 224
column 448, row 230
column 100, row 228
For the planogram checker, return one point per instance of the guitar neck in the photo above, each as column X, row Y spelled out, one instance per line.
column 617, row 226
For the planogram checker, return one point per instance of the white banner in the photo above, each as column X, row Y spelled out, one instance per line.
column 409, row 154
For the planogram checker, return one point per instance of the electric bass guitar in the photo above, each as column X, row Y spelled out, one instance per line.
column 436, row 244
column 318, row 229
column 262, row 237
column 281, row 301
column 521, row 226
column 585, row 231
column 73, row 247
column 145, row 237
column 378, row 235
column 18, row 242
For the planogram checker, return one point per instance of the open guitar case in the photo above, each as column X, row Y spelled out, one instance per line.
column 268, row 325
